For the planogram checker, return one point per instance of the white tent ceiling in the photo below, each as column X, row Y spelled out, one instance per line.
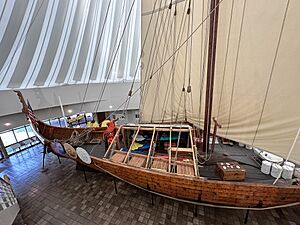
column 47, row 44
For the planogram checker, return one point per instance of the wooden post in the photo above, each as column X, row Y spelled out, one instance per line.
column 129, row 150
column 150, row 149
column 193, row 152
column 169, row 150
column 111, row 144
column 124, row 138
column 214, row 8
column 217, row 125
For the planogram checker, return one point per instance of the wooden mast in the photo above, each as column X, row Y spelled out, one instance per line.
column 214, row 9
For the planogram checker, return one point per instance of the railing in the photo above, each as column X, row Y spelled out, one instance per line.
column 9, row 207
column 7, row 196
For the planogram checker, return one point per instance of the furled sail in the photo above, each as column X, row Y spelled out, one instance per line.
column 256, row 73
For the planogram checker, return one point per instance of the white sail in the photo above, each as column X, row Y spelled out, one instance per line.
column 258, row 49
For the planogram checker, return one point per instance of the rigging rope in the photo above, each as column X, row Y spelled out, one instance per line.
column 272, row 69
column 139, row 61
column 151, row 50
column 158, row 83
column 114, row 57
column 225, row 60
column 170, row 57
column 95, row 55
column 202, row 61
column 235, row 67
column 163, row 57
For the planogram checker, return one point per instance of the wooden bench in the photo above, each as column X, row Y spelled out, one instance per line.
column 160, row 164
column 185, row 168
column 118, row 156
column 137, row 160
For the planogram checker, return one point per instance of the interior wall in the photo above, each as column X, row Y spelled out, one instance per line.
column 45, row 103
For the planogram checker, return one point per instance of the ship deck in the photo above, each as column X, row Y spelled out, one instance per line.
column 223, row 153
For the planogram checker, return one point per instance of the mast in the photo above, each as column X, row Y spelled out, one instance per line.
column 214, row 9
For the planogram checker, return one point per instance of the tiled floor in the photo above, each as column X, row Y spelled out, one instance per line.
column 61, row 196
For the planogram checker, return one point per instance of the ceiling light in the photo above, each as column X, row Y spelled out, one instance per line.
column 110, row 106
column 7, row 124
column 70, row 110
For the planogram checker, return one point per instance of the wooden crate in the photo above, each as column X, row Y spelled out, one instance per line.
column 230, row 171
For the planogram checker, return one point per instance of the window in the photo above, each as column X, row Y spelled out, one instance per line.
column 55, row 122
column 29, row 131
column 62, row 122
column 21, row 134
column 8, row 138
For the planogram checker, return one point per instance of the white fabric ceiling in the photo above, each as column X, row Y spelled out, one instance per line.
column 48, row 43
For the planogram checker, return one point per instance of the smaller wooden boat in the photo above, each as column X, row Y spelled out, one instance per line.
column 76, row 136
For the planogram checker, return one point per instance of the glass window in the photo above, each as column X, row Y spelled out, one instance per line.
column 8, row 138
column 21, row 133
column 55, row 122
column 47, row 122
column 62, row 122
column 29, row 131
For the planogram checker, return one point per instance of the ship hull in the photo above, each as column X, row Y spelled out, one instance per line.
column 200, row 190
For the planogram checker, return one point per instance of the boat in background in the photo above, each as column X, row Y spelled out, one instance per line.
column 46, row 133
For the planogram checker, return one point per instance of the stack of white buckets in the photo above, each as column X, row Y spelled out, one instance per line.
column 286, row 171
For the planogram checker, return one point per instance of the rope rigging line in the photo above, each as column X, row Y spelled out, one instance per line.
column 170, row 57
column 189, row 88
column 235, row 67
column 173, row 66
column 182, row 24
column 225, row 60
column 156, row 40
column 146, row 90
column 114, row 57
column 272, row 69
column 23, row 37
column 158, row 83
column 185, row 62
column 202, row 61
column 95, row 55
column 139, row 61
column 152, row 48
column 175, row 58
column 154, row 58
column 163, row 57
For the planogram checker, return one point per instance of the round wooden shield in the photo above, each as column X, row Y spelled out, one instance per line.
column 83, row 155
column 70, row 151
column 58, row 148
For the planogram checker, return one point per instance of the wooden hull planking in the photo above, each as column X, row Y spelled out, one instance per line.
column 198, row 189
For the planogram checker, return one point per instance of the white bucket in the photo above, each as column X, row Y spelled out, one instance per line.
column 266, row 167
column 276, row 170
column 241, row 145
column 290, row 164
column 287, row 172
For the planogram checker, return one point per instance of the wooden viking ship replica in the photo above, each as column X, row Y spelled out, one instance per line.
column 243, row 51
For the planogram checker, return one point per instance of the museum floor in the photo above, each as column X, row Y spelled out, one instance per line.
column 61, row 196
